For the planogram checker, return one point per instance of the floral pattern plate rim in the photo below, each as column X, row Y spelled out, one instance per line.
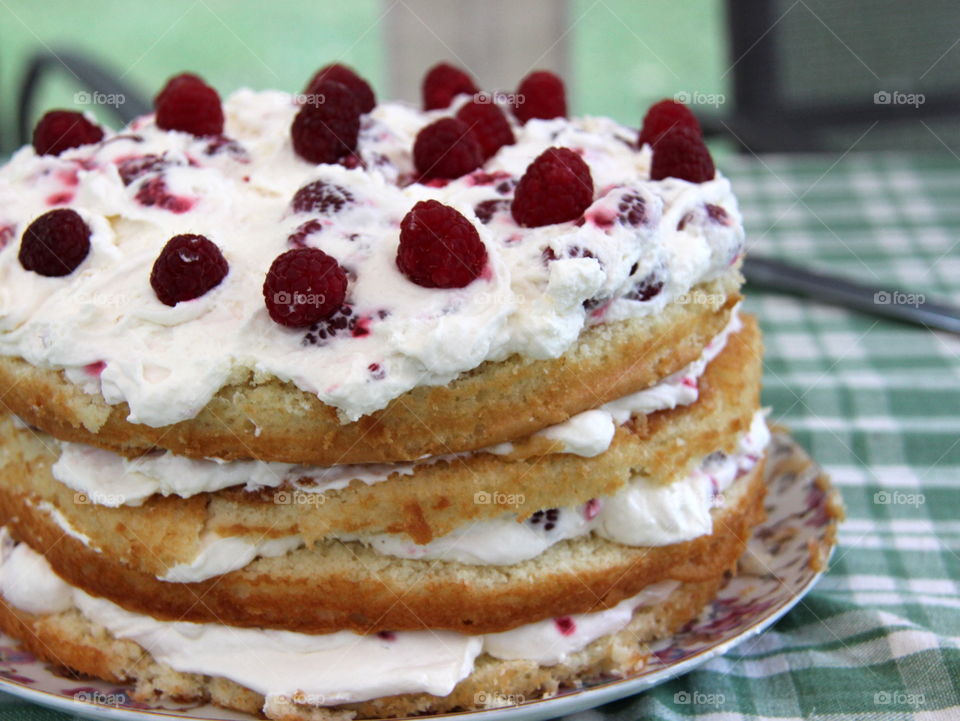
column 788, row 553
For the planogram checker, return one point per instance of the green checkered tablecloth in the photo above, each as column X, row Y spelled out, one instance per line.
column 878, row 404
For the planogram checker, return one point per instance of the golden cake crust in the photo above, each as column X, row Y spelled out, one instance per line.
column 70, row 641
column 337, row 586
column 664, row 446
column 496, row 402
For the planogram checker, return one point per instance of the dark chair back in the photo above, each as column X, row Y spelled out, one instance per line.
column 826, row 75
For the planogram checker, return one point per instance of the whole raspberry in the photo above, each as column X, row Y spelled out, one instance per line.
column 540, row 95
column 446, row 149
column 175, row 82
column 304, row 286
column 321, row 197
column 360, row 88
column 325, row 131
column 60, row 130
column 188, row 104
column 681, row 153
column 555, row 188
column 665, row 115
column 55, row 243
column 488, row 124
column 442, row 83
column 187, row 267
column 439, row 248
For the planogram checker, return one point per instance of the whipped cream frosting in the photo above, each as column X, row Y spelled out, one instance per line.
column 105, row 328
column 325, row 669
column 108, row 479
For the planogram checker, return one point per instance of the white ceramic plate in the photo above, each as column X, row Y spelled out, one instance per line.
column 800, row 522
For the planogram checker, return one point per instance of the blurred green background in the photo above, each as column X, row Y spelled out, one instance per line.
column 614, row 50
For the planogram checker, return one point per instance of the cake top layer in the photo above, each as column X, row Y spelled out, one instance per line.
column 640, row 245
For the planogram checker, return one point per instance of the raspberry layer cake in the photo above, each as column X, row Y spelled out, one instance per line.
column 322, row 407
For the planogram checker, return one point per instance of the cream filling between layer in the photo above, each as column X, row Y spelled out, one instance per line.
column 108, row 479
column 324, row 669
column 591, row 432
column 644, row 513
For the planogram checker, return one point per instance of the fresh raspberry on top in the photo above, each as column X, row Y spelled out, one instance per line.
column 665, row 115
column 304, row 286
column 187, row 267
column 446, row 149
column 60, row 130
column 681, row 153
column 488, row 124
column 55, row 243
column 439, row 248
column 188, row 104
column 442, row 83
column 540, row 95
column 321, row 197
column 338, row 73
column 175, row 82
column 324, row 132
column 555, row 188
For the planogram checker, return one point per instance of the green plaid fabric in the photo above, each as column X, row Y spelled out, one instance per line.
column 878, row 404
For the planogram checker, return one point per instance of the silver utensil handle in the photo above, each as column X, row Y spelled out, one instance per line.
column 886, row 302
